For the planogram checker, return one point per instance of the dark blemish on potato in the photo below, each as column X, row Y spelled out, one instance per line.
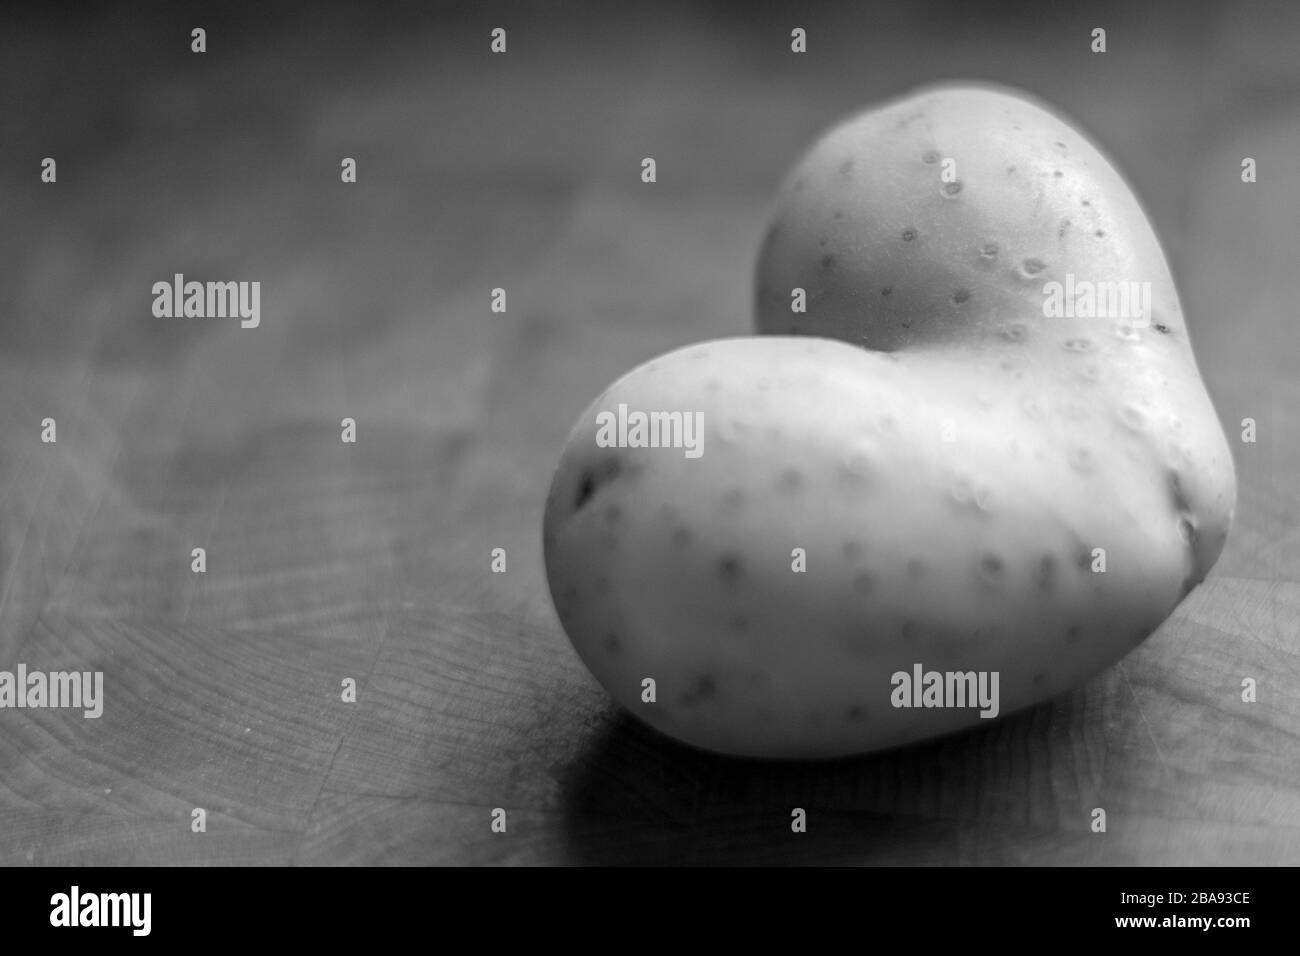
column 852, row 550
column 1085, row 202
column 1177, row 496
column 887, row 290
column 703, row 689
column 1058, row 174
column 991, row 568
column 1011, row 169
column 681, row 536
column 990, row 250
column 846, row 167
column 730, row 568
column 1161, row 328
column 1062, row 229
column 1033, row 266
column 1073, row 633
column 593, row 478
column 909, row 234
column 822, row 242
column 863, row 583
column 952, row 189
column 1082, row 458
column 960, row 296
column 828, row 261
column 1014, row 333
column 854, row 714
column 1187, row 529
column 791, row 479
column 930, row 157
column 1060, row 145
column 586, row 488
column 839, row 214
column 612, row 644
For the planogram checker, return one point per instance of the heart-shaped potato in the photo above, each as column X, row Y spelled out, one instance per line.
column 799, row 547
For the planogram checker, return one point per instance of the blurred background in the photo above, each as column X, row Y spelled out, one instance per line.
column 371, row 561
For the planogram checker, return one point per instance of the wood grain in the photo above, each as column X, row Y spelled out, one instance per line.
column 370, row 561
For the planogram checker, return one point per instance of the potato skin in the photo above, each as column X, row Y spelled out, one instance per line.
column 895, row 258
column 936, row 492
column 936, row 216
column 962, row 555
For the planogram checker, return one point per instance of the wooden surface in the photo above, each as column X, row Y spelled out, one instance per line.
column 370, row 561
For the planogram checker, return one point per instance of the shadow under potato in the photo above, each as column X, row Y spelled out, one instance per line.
column 637, row 797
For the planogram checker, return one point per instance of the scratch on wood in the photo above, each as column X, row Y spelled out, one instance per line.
column 1141, row 713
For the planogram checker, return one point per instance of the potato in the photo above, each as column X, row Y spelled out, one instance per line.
column 971, row 219
column 967, row 555
column 791, row 546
